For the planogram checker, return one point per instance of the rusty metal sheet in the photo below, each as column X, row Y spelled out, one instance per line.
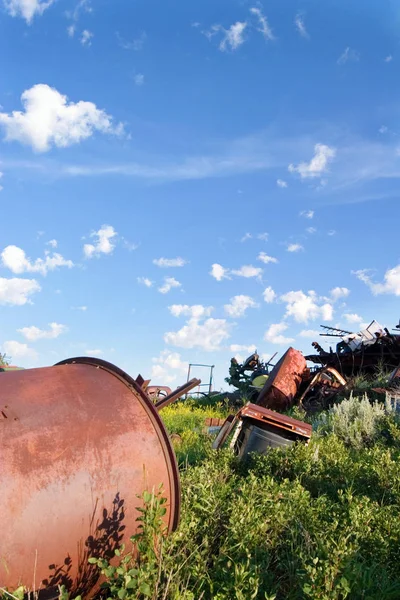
column 272, row 418
column 78, row 442
column 176, row 394
column 283, row 382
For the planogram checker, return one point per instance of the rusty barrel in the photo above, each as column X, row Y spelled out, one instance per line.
column 78, row 442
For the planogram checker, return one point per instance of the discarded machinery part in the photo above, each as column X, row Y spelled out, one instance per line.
column 394, row 376
column 156, row 392
column 175, row 395
column 225, row 431
column 262, row 429
column 84, row 441
column 329, row 381
column 283, row 382
column 142, row 383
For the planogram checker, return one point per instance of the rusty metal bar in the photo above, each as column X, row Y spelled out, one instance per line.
column 180, row 391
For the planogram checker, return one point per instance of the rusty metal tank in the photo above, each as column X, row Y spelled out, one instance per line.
column 78, row 442
column 283, row 382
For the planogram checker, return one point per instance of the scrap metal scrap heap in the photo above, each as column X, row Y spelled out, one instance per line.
column 361, row 352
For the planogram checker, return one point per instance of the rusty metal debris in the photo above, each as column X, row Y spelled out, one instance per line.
column 162, row 395
column 79, row 441
column 256, row 429
column 360, row 352
column 283, row 382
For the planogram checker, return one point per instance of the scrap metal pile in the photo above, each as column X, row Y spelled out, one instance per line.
column 291, row 381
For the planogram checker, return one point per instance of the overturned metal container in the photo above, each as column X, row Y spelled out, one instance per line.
column 78, row 442
column 283, row 382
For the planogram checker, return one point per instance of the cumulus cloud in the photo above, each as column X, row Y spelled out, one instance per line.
column 339, row 292
column 103, row 244
column 239, row 305
column 52, row 243
column 49, row 119
column 306, row 307
column 139, row 79
column 390, row 285
column 319, row 163
column 207, row 335
column 309, row 333
column 86, row 37
column 247, row 271
column 170, row 262
column 219, row 272
column 263, row 25
column 281, row 183
column 145, row 281
column 353, row 318
column 311, row 230
column 32, row 333
column 19, row 351
column 169, row 283
column 274, row 334
column 15, row 259
column 242, row 348
column 232, row 38
column 269, row 295
column 307, row 214
column 196, row 310
column 166, row 364
column 294, row 247
column 17, row 291
column 300, row 26
column 258, row 236
column 266, row 259
column 26, row 9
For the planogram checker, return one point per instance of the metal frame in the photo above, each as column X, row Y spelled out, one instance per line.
column 210, row 383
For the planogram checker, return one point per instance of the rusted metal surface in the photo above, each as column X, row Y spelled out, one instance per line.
column 269, row 417
column 283, row 382
column 321, row 389
column 78, row 442
column 176, row 394
column 156, row 392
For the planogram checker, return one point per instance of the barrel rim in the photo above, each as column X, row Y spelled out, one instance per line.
column 172, row 465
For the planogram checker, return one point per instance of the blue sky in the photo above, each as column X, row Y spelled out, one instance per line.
column 184, row 181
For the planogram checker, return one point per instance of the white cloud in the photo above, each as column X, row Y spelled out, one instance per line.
column 266, row 259
column 50, row 120
column 274, row 334
column 263, row 236
column 323, row 154
column 71, row 30
column 219, row 272
column 307, row 214
column 348, row 55
column 309, row 333
column 239, row 305
column 339, row 292
column 247, row 271
column 207, row 335
column 353, row 318
column 103, row 244
column 264, row 27
column 86, row 37
column 26, row 9
column 391, row 284
column 259, row 236
column 82, row 308
column 281, row 183
column 195, row 311
column 15, row 259
column 52, row 243
column 136, row 44
column 145, row 281
column 169, row 283
column 33, row 333
column 269, row 295
column 233, row 37
column 294, row 248
column 311, row 230
column 383, row 129
column 300, row 26
column 331, row 232
column 247, row 236
column 242, row 348
column 17, row 291
column 19, row 351
column 139, row 79
column 388, row 58
column 306, row 307
column 94, row 352
column 166, row 364
column 170, row 262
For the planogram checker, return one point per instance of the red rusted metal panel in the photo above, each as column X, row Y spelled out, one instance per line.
column 176, row 394
column 276, row 420
column 283, row 382
column 78, row 442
